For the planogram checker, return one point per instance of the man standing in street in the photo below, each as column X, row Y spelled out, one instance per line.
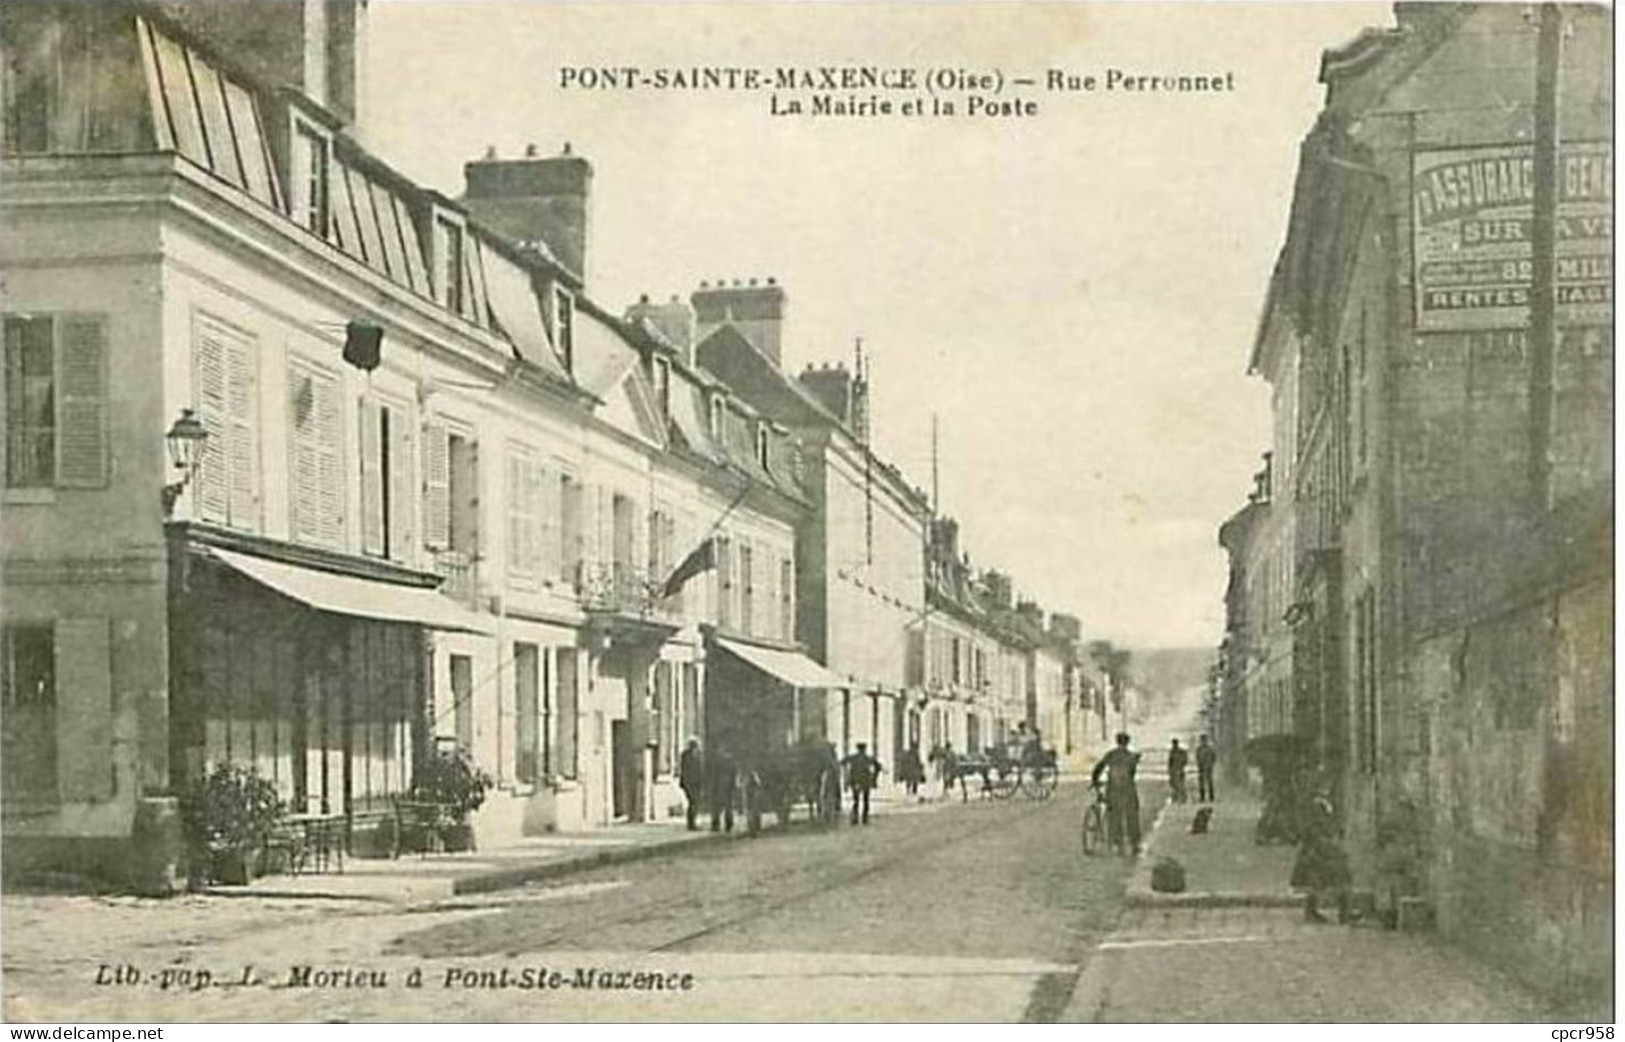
column 721, row 775
column 862, row 771
column 1122, row 798
column 1177, row 759
column 691, row 777
column 1206, row 757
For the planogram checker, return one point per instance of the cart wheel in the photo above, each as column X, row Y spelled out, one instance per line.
column 1041, row 784
column 1004, row 784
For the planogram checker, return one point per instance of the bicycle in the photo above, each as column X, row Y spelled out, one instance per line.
column 1094, row 821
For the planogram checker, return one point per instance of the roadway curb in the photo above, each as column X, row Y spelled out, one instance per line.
column 508, row 878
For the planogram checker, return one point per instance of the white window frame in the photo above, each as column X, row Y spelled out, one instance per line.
column 300, row 177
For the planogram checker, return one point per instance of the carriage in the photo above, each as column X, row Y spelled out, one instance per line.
column 1006, row 770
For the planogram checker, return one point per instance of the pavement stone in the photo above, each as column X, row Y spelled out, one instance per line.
column 1223, row 866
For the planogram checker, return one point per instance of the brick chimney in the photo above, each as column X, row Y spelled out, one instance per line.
column 674, row 320
column 945, row 538
column 317, row 47
column 755, row 309
column 832, row 387
column 999, row 593
column 535, row 200
column 1065, row 627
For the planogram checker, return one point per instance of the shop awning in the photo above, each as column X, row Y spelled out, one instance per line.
column 792, row 667
column 350, row 595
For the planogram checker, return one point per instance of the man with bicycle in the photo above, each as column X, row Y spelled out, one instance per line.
column 1122, row 797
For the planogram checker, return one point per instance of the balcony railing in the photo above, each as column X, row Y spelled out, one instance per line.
column 623, row 589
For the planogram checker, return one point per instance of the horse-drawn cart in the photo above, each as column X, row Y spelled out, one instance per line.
column 1003, row 772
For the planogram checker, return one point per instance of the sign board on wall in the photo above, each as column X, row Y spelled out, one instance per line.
column 1473, row 210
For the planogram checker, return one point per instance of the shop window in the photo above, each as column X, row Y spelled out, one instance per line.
column 527, row 681
column 28, row 721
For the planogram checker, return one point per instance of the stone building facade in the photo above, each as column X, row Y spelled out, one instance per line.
column 1451, row 615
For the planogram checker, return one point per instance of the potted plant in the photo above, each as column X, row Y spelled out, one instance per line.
column 450, row 781
column 227, row 816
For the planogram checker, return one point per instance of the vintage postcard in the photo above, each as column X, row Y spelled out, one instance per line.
column 807, row 512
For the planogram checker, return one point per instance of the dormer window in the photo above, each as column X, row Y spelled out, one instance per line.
column 564, row 325
column 662, row 381
column 448, row 250
column 716, row 417
column 310, row 177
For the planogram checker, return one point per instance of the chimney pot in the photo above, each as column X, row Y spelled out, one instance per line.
column 704, row 284
column 753, row 282
column 530, row 150
column 490, row 151
column 567, row 150
column 643, row 298
column 771, row 281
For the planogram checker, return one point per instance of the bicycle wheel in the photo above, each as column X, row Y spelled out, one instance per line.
column 1094, row 830
column 1005, row 782
column 1040, row 783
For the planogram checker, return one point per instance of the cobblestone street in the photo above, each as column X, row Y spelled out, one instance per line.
column 984, row 911
column 980, row 911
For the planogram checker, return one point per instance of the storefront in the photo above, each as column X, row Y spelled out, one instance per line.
column 315, row 678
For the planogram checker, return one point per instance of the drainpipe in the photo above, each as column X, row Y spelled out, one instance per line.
column 1543, row 238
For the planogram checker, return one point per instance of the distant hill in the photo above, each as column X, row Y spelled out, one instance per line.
column 1168, row 671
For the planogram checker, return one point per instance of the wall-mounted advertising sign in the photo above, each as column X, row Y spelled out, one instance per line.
column 1473, row 209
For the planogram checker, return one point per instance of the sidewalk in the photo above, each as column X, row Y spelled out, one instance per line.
column 1234, row 947
column 414, row 878
column 1223, row 867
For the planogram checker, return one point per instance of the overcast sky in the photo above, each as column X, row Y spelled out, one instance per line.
column 1074, row 294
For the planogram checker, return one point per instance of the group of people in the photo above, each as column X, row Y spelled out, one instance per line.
column 712, row 782
column 1119, row 768
column 1206, row 758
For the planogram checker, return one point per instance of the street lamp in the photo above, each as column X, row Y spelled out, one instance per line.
column 185, row 441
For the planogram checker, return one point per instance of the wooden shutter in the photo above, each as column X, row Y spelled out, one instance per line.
column 304, row 460
column 548, row 510
column 81, row 410
column 330, row 449
column 436, row 486
column 209, row 398
column 242, row 457
column 402, row 501
column 84, row 709
column 372, row 479
column 518, row 528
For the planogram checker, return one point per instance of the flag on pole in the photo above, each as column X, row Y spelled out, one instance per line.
column 702, row 558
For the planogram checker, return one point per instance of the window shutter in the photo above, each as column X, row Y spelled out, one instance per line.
column 549, row 509
column 402, row 501
column 81, row 419
column 84, row 710
column 209, row 397
column 303, row 461
column 242, row 461
column 330, row 449
column 518, row 564
column 436, row 486
column 372, row 480
column 536, row 497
